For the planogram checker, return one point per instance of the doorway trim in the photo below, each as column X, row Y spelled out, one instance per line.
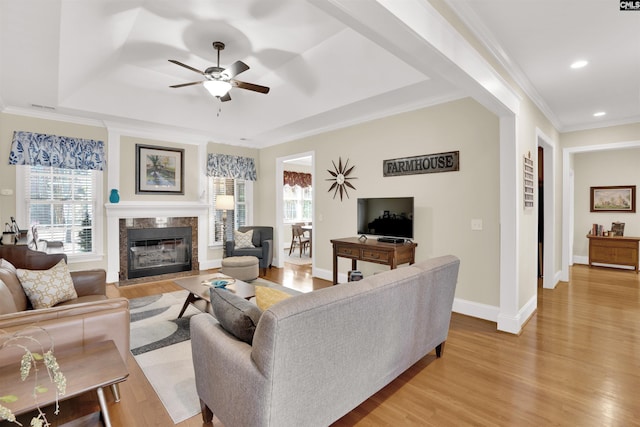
column 568, row 190
column 279, row 232
column 549, row 277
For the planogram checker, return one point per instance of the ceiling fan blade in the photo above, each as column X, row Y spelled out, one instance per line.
column 235, row 69
column 186, row 84
column 186, row 66
column 226, row 97
column 249, row 86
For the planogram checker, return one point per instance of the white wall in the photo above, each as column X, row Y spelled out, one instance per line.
column 445, row 203
column 581, row 151
column 602, row 168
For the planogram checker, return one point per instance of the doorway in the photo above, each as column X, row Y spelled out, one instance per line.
column 540, row 212
column 546, row 209
column 295, row 205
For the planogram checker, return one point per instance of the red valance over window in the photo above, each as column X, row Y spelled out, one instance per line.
column 297, row 178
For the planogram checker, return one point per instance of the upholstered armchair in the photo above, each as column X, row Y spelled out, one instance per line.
column 262, row 240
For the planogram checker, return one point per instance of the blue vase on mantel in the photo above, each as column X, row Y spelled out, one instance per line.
column 114, row 197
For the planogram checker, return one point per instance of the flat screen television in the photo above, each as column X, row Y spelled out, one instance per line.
column 386, row 216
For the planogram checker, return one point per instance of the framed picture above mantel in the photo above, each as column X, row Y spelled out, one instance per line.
column 617, row 198
column 159, row 170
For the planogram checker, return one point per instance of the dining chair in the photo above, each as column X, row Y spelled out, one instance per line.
column 298, row 239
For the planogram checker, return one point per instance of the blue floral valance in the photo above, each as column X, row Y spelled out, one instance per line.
column 227, row 166
column 37, row 149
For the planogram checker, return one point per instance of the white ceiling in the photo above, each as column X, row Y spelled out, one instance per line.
column 537, row 40
column 326, row 66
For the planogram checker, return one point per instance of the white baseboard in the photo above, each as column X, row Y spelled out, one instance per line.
column 210, row 263
column 578, row 259
column 514, row 324
column 328, row 275
column 554, row 282
column 475, row 309
column 585, row 260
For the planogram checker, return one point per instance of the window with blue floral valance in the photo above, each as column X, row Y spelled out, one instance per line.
column 228, row 166
column 37, row 149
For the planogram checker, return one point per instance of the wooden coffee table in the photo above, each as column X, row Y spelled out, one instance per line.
column 86, row 368
column 199, row 293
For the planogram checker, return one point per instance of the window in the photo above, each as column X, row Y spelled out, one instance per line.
column 242, row 191
column 63, row 204
column 297, row 203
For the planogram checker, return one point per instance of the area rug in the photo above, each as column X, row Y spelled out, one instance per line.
column 161, row 346
column 295, row 257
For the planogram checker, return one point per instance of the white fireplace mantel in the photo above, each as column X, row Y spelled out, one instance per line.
column 155, row 209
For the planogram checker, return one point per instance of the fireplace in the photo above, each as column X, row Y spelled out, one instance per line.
column 156, row 247
column 156, row 251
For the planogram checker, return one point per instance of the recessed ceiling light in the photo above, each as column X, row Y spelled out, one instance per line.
column 599, row 114
column 579, row 64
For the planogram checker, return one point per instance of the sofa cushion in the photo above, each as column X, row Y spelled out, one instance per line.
column 6, row 300
column 46, row 288
column 266, row 297
column 243, row 240
column 257, row 237
column 236, row 315
column 10, row 279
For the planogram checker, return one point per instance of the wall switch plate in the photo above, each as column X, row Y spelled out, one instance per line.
column 476, row 224
column 6, row 192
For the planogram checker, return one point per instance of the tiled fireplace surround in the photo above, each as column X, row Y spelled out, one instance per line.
column 121, row 216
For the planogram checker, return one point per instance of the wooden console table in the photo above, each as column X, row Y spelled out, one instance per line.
column 614, row 250
column 371, row 250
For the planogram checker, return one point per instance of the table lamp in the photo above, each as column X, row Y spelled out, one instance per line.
column 224, row 203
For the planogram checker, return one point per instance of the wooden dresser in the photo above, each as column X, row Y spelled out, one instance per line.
column 614, row 251
column 371, row 250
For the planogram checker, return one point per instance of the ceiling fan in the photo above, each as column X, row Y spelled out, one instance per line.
column 220, row 80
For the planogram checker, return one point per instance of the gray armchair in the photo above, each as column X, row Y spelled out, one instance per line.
column 263, row 242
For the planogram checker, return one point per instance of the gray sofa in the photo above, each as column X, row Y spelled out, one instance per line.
column 317, row 356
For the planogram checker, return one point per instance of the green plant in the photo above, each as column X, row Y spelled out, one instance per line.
column 85, row 233
column 31, row 362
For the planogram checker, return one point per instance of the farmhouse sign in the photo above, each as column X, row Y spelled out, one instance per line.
column 429, row 163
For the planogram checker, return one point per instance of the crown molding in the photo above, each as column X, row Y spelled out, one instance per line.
column 471, row 20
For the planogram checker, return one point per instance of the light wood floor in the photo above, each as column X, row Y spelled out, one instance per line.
column 577, row 363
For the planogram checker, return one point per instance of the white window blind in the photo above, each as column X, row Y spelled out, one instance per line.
column 62, row 204
column 241, row 190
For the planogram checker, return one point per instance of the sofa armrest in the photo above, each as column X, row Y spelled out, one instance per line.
column 225, row 374
column 267, row 253
column 230, row 245
column 90, row 282
column 72, row 325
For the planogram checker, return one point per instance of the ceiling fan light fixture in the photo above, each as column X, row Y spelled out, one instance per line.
column 217, row 88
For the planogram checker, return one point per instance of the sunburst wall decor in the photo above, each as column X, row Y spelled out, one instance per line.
column 340, row 177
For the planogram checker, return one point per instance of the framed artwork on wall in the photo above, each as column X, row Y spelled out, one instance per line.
column 619, row 198
column 159, row 170
column 617, row 228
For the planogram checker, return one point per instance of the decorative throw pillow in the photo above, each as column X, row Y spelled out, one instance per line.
column 46, row 288
column 266, row 297
column 236, row 315
column 243, row 240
